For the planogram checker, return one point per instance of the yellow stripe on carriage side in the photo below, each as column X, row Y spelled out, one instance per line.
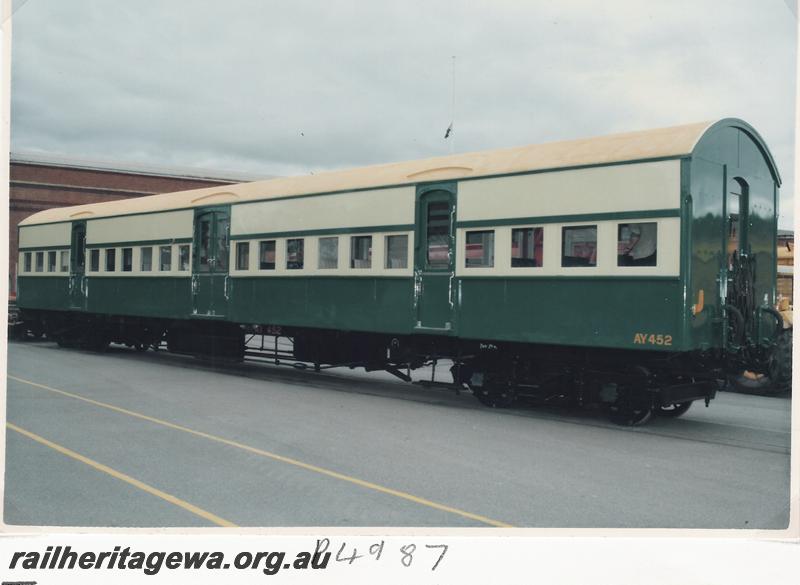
column 276, row 457
column 124, row 477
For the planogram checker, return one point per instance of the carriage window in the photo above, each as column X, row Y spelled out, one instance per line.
column 39, row 261
column 480, row 249
column 328, row 253
column 579, row 245
column 637, row 244
column 294, row 254
column 396, row 251
column 438, row 234
column 360, row 251
column 165, row 258
column 111, row 257
column 242, row 255
column 94, row 260
column 184, row 254
column 51, row 261
column 526, row 247
column 266, row 255
column 127, row 259
column 146, row 264
column 27, row 262
column 64, row 261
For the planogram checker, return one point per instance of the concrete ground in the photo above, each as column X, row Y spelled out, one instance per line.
column 153, row 439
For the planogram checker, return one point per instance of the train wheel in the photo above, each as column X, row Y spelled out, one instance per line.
column 628, row 415
column 632, row 409
column 496, row 392
column 673, row 410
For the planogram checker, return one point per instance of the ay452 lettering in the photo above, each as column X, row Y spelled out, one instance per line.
column 652, row 339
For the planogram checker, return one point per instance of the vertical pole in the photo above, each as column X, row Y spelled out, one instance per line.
column 453, row 108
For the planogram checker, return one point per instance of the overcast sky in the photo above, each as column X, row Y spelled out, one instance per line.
column 279, row 88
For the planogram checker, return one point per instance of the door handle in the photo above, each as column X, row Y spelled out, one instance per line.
column 225, row 291
column 194, row 284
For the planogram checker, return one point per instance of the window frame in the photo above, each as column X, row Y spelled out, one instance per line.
column 242, row 256
column 354, row 248
column 94, row 254
column 564, row 229
column 633, row 262
column 110, row 254
column 335, row 266
column 467, row 234
column 62, row 266
column 533, row 229
column 161, row 250
column 149, row 255
column 294, row 264
column 126, row 259
column 52, row 261
column 274, row 254
column 386, row 249
column 187, row 266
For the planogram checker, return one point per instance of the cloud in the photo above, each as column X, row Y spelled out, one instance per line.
column 285, row 88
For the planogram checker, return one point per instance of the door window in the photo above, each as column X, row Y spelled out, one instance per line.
column 737, row 216
column 79, row 247
column 438, row 235
column 204, row 243
column 223, row 247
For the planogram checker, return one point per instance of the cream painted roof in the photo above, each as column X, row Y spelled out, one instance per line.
column 662, row 142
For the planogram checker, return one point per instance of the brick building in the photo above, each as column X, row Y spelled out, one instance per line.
column 39, row 183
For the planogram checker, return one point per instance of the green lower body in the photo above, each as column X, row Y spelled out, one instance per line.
column 590, row 312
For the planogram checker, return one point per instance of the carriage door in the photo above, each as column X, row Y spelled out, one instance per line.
column 210, row 280
column 434, row 259
column 78, row 288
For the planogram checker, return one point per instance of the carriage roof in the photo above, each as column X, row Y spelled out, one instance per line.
column 659, row 143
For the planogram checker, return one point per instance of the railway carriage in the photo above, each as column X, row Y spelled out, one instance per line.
column 633, row 270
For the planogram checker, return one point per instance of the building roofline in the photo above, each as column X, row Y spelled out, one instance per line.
column 134, row 169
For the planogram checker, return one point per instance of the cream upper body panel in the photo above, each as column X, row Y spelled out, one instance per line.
column 40, row 236
column 631, row 146
column 157, row 226
column 383, row 207
column 644, row 186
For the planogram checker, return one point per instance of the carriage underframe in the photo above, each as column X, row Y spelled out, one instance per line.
column 633, row 385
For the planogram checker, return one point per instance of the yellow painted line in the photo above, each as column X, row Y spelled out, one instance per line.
column 276, row 457
column 123, row 477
